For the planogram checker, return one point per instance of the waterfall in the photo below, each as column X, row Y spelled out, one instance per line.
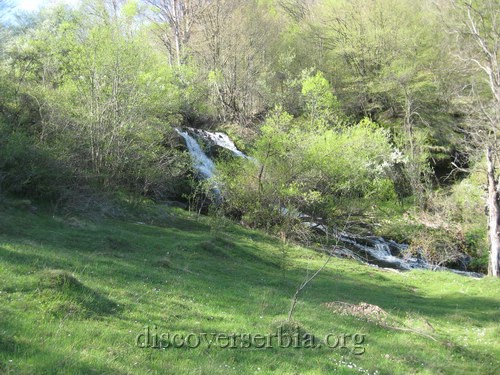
column 387, row 254
column 370, row 249
column 201, row 161
column 376, row 250
column 223, row 140
column 219, row 139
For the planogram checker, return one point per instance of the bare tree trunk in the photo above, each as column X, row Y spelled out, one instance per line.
column 476, row 26
column 177, row 37
column 493, row 215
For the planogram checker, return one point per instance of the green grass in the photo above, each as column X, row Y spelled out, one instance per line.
column 76, row 292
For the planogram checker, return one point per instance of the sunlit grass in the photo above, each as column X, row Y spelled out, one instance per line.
column 76, row 292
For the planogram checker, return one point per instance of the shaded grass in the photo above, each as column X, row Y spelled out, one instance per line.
column 75, row 293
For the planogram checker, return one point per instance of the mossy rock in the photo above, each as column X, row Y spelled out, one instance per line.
column 290, row 327
column 211, row 247
column 164, row 262
column 63, row 295
column 59, row 279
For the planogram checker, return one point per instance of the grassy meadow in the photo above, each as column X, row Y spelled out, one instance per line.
column 76, row 291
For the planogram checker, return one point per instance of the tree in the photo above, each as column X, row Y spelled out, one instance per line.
column 97, row 95
column 322, row 106
column 475, row 28
column 175, row 20
column 232, row 49
column 316, row 171
column 384, row 62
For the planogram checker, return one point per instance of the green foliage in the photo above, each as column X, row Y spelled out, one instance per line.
column 94, row 94
column 310, row 170
column 28, row 170
column 467, row 199
column 322, row 106
column 360, row 101
column 352, row 162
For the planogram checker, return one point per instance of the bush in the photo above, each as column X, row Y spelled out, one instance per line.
column 440, row 247
column 299, row 168
column 454, row 225
column 28, row 170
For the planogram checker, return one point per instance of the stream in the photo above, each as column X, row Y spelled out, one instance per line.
column 372, row 250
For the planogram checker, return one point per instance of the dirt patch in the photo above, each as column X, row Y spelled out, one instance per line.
column 363, row 310
column 374, row 314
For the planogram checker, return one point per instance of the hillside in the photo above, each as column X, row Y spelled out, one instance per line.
column 76, row 292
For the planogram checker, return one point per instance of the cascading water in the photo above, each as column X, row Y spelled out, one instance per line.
column 201, row 161
column 368, row 249
column 219, row 139
column 377, row 250
column 387, row 254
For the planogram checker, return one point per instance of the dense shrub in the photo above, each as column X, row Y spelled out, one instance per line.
column 28, row 170
column 309, row 169
column 94, row 106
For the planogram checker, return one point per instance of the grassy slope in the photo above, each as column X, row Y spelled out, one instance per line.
column 183, row 279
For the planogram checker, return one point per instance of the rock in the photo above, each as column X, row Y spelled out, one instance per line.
column 176, row 204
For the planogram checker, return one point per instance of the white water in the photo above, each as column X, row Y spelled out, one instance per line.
column 219, row 139
column 201, row 162
column 374, row 250
column 378, row 249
